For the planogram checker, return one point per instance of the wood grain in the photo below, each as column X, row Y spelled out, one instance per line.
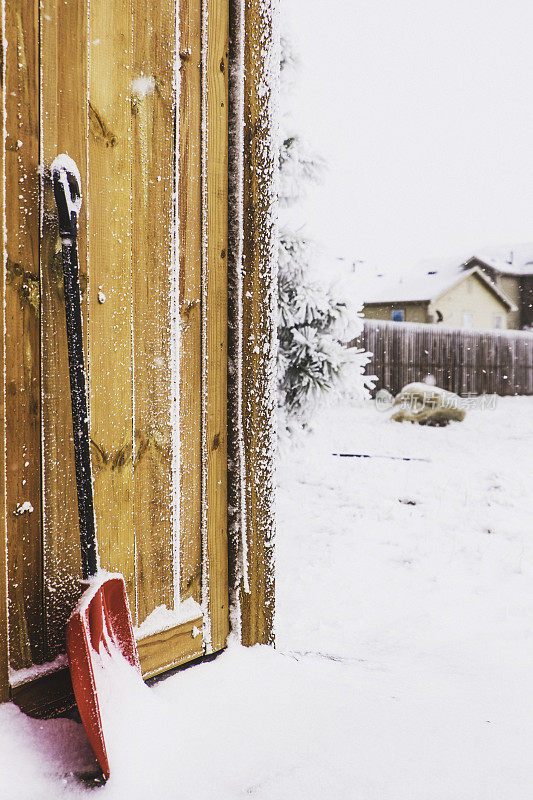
column 64, row 126
column 22, row 298
column 4, row 630
column 153, row 115
column 215, row 321
column 190, row 296
column 110, row 283
column 169, row 648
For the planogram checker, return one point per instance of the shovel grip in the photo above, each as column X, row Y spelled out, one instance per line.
column 67, row 192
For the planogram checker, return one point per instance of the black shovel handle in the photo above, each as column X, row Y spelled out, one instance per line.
column 68, row 201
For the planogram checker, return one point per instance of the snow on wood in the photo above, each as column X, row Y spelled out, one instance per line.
column 142, row 86
column 19, row 676
column 163, row 618
column 23, row 508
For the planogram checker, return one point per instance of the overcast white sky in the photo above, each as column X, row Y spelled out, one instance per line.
column 424, row 111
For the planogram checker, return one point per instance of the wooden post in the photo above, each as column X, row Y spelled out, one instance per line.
column 4, row 633
column 261, row 65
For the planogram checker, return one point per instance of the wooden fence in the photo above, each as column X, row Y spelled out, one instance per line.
column 462, row 361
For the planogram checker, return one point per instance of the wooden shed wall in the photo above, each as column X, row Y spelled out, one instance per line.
column 84, row 96
column 98, row 82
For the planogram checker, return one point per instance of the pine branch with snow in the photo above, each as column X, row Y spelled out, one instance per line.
column 313, row 324
column 314, row 321
column 298, row 168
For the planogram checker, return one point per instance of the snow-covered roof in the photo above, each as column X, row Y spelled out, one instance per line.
column 425, row 285
column 420, row 285
column 513, row 260
column 432, row 277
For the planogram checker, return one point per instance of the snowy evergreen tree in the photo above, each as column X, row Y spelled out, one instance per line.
column 313, row 322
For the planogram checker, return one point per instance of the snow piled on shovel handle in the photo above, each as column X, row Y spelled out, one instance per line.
column 62, row 164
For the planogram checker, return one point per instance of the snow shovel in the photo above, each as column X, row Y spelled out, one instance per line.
column 101, row 621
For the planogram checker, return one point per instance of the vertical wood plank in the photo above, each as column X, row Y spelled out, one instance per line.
column 110, row 282
column 216, row 335
column 190, row 298
column 261, row 60
column 153, row 107
column 4, row 632
column 236, row 454
column 64, row 125
column 22, row 298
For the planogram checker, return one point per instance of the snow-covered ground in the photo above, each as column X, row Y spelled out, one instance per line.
column 404, row 668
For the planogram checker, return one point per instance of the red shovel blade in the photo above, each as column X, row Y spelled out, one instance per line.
column 101, row 620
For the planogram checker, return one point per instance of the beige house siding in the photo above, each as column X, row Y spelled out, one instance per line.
column 510, row 285
column 469, row 297
column 413, row 312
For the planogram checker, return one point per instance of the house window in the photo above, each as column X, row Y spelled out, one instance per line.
column 497, row 321
column 398, row 315
column 468, row 319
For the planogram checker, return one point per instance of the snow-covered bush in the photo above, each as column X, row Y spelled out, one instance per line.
column 314, row 320
column 429, row 405
column 313, row 324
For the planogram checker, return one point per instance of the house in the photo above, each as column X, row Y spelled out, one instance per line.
column 461, row 299
column 514, row 276
column 483, row 293
column 177, row 244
